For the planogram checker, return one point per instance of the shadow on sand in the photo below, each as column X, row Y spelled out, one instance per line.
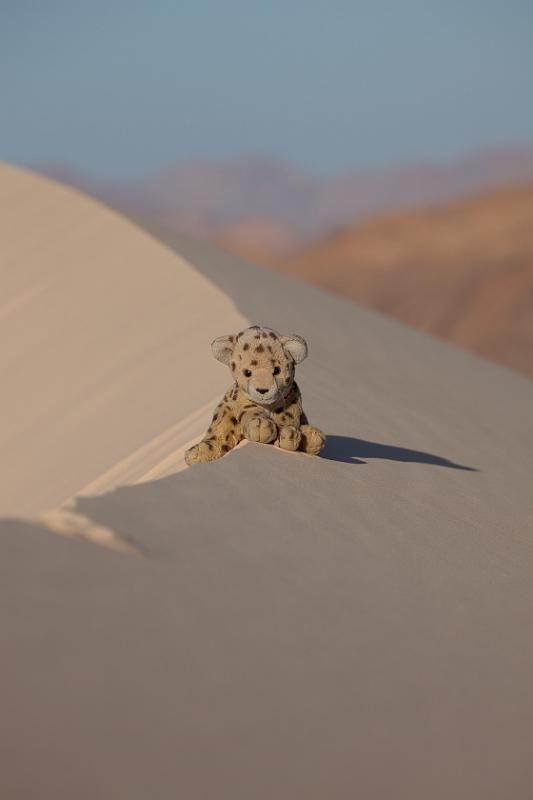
column 349, row 450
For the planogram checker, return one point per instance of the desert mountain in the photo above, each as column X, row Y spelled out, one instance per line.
column 266, row 205
column 463, row 271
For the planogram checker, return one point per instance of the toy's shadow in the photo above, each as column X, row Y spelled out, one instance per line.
column 354, row 451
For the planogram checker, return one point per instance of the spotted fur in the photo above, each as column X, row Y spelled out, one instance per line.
column 264, row 403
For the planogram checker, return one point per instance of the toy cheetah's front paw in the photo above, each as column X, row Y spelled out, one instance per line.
column 289, row 438
column 260, row 429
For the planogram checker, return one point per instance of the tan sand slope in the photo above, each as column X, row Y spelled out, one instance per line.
column 100, row 330
column 355, row 625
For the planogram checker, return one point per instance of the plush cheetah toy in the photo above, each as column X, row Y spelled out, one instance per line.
column 264, row 404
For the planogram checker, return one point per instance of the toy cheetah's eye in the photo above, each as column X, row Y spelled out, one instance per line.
column 276, row 371
column 247, row 373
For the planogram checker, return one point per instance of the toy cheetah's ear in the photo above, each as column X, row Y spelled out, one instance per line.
column 223, row 348
column 295, row 346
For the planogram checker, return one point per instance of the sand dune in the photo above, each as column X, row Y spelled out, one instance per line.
column 355, row 625
column 463, row 271
column 100, row 331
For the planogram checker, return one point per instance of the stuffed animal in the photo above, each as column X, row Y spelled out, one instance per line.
column 264, row 404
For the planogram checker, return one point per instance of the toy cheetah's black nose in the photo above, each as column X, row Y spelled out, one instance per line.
column 262, row 391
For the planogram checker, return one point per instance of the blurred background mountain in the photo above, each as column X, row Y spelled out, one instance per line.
column 382, row 151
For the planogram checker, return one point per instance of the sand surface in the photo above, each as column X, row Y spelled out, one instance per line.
column 355, row 625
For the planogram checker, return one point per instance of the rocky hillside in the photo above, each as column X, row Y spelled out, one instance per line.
column 462, row 271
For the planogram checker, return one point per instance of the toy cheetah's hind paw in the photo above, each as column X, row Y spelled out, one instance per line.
column 313, row 440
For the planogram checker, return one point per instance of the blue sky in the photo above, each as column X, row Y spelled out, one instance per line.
column 120, row 87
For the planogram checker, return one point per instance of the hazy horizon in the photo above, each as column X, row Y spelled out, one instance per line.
column 55, row 168
column 122, row 89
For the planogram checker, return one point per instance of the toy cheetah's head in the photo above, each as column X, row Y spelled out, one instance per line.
column 261, row 361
